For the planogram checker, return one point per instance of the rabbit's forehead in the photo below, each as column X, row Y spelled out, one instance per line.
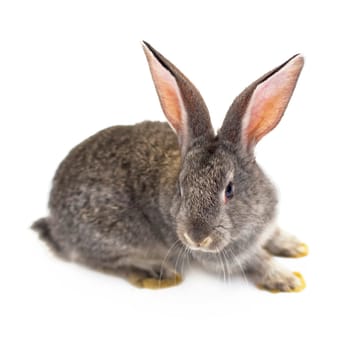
column 204, row 168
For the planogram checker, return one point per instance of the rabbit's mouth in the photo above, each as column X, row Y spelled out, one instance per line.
column 209, row 244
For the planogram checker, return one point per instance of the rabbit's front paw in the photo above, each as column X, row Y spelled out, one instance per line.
column 282, row 281
column 154, row 283
column 285, row 245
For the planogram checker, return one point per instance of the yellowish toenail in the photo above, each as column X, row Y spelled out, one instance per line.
column 302, row 282
column 302, row 250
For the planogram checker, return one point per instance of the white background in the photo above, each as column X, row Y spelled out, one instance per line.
column 70, row 68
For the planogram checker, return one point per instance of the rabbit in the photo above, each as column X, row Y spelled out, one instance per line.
column 138, row 200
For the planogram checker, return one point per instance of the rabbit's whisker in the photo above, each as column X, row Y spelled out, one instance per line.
column 179, row 255
column 185, row 256
column 237, row 261
column 170, row 250
column 226, row 265
column 221, row 264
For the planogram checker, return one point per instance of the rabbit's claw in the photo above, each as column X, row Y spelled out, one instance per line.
column 300, row 251
column 302, row 284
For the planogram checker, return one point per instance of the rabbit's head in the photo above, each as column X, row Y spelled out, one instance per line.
column 222, row 195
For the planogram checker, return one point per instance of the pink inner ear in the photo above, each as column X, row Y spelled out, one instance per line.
column 168, row 93
column 266, row 112
column 170, row 100
column 269, row 101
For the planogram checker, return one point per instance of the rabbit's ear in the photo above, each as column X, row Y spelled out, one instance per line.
column 261, row 105
column 181, row 102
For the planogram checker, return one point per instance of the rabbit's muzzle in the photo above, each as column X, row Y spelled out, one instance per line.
column 207, row 243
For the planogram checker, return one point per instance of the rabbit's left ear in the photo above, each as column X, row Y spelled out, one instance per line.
column 181, row 102
column 261, row 105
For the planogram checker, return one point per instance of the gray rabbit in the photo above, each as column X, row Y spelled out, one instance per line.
column 137, row 200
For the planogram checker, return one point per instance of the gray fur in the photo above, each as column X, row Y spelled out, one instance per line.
column 122, row 200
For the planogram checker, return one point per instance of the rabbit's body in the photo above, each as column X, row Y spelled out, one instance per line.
column 137, row 200
column 113, row 215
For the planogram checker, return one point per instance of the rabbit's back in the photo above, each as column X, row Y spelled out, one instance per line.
column 109, row 185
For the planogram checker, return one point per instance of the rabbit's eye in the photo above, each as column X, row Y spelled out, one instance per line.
column 229, row 191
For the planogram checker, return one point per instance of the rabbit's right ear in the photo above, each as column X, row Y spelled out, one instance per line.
column 181, row 102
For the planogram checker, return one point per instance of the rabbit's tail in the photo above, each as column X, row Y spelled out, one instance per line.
column 43, row 228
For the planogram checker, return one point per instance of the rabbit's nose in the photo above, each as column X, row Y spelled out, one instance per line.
column 205, row 243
